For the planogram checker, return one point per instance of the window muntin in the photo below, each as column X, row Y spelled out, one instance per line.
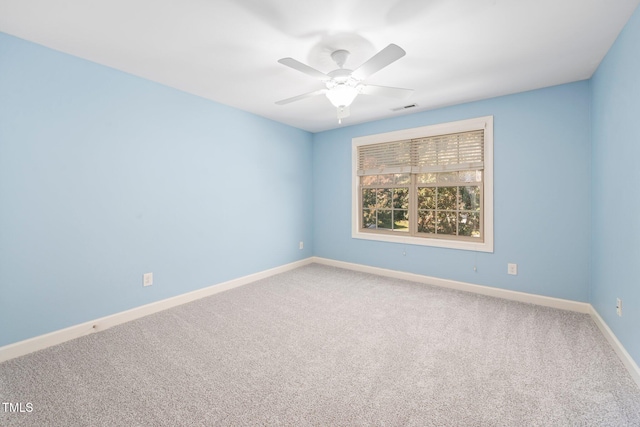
column 447, row 180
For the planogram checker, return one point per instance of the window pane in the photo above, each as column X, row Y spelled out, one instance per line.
column 368, row 198
column 384, row 219
column 470, row 176
column 368, row 180
column 446, row 223
column 427, row 222
column 368, row 218
column 401, row 220
column 470, row 198
column 385, row 179
column 402, row 178
column 401, row 198
column 469, row 224
column 427, row 178
column 426, row 198
column 447, row 198
column 448, row 177
column 384, row 196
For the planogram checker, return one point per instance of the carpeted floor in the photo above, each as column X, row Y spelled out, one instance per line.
column 331, row 347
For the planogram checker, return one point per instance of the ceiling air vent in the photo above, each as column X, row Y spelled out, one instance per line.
column 406, row 107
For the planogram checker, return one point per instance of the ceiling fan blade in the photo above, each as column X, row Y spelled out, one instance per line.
column 389, row 92
column 380, row 60
column 297, row 65
column 303, row 96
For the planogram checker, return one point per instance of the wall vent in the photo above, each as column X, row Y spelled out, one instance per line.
column 406, row 107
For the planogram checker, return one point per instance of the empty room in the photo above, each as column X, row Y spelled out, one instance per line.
column 337, row 213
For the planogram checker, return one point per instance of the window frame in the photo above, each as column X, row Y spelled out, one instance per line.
column 481, row 123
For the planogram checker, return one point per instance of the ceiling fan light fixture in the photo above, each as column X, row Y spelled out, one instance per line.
column 342, row 95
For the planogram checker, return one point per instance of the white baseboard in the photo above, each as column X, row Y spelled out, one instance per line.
column 581, row 307
column 57, row 337
column 622, row 353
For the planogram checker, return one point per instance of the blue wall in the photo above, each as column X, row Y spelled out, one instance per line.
column 541, row 196
column 105, row 176
column 615, row 182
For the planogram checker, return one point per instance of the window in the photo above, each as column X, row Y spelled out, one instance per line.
column 431, row 185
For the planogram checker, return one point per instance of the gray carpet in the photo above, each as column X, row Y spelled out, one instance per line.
column 330, row 347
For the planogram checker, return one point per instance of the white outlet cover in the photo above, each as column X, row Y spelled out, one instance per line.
column 147, row 279
column 512, row 269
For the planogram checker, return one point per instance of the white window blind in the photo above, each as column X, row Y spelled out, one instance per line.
column 452, row 152
column 387, row 157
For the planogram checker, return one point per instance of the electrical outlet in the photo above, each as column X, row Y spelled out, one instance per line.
column 301, row 245
column 147, row 279
column 512, row 269
column 619, row 307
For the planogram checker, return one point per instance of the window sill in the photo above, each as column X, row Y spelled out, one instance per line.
column 486, row 246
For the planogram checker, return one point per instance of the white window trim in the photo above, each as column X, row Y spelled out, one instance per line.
column 485, row 123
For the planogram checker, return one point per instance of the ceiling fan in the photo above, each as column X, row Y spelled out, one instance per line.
column 343, row 85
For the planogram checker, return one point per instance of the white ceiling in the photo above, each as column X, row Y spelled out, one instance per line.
column 227, row 50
